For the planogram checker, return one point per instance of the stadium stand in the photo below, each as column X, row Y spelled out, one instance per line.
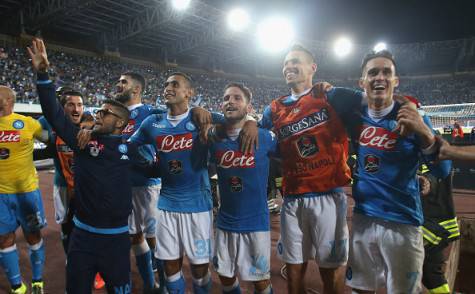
column 96, row 76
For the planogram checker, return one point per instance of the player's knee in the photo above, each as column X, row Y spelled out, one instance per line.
column 7, row 240
column 172, row 267
column 226, row 281
column 136, row 238
column 199, row 270
column 33, row 238
column 261, row 285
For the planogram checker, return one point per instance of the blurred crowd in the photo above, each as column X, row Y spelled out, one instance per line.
column 96, row 76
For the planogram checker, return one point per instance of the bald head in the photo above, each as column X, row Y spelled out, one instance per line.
column 7, row 100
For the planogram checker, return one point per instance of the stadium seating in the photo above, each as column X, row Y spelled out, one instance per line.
column 95, row 76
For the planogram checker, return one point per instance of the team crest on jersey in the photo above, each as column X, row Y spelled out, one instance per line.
column 134, row 113
column 123, row 148
column 18, row 124
column 4, row 153
column 392, row 124
column 307, row 146
column 175, row 167
column 95, row 148
column 371, row 163
column 189, row 126
column 235, row 184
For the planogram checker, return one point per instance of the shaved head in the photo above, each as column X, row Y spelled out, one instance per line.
column 7, row 100
column 7, row 93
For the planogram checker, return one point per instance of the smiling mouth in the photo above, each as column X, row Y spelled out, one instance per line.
column 379, row 88
column 291, row 73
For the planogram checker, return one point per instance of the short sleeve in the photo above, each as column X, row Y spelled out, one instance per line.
column 266, row 121
column 271, row 141
column 36, row 128
column 141, row 137
column 345, row 100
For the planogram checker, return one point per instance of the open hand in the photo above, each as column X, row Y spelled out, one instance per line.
column 201, row 116
column 409, row 117
column 39, row 58
column 249, row 136
column 321, row 88
column 424, row 185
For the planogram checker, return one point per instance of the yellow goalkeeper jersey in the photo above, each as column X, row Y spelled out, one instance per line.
column 17, row 171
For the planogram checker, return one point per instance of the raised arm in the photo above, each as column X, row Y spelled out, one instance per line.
column 52, row 110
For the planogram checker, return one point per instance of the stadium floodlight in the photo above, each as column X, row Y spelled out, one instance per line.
column 343, row 47
column 380, row 47
column 238, row 19
column 180, row 4
column 275, row 34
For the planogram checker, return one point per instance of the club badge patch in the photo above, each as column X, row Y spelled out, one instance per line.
column 235, row 184
column 189, row 126
column 371, row 163
column 307, row 146
column 123, row 148
column 18, row 124
column 175, row 167
column 134, row 113
column 95, row 148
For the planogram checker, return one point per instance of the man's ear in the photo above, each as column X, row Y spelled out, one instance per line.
column 314, row 67
column 361, row 83
column 137, row 88
column 396, row 81
column 120, row 123
column 191, row 92
column 249, row 108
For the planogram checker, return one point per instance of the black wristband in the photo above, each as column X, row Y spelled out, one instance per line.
column 42, row 76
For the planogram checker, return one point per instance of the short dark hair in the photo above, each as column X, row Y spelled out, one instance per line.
column 247, row 92
column 63, row 97
column 376, row 54
column 122, row 109
column 61, row 89
column 298, row 47
column 184, row 75
column 136, row 77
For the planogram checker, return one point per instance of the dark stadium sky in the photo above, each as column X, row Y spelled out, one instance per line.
column 367, row 21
